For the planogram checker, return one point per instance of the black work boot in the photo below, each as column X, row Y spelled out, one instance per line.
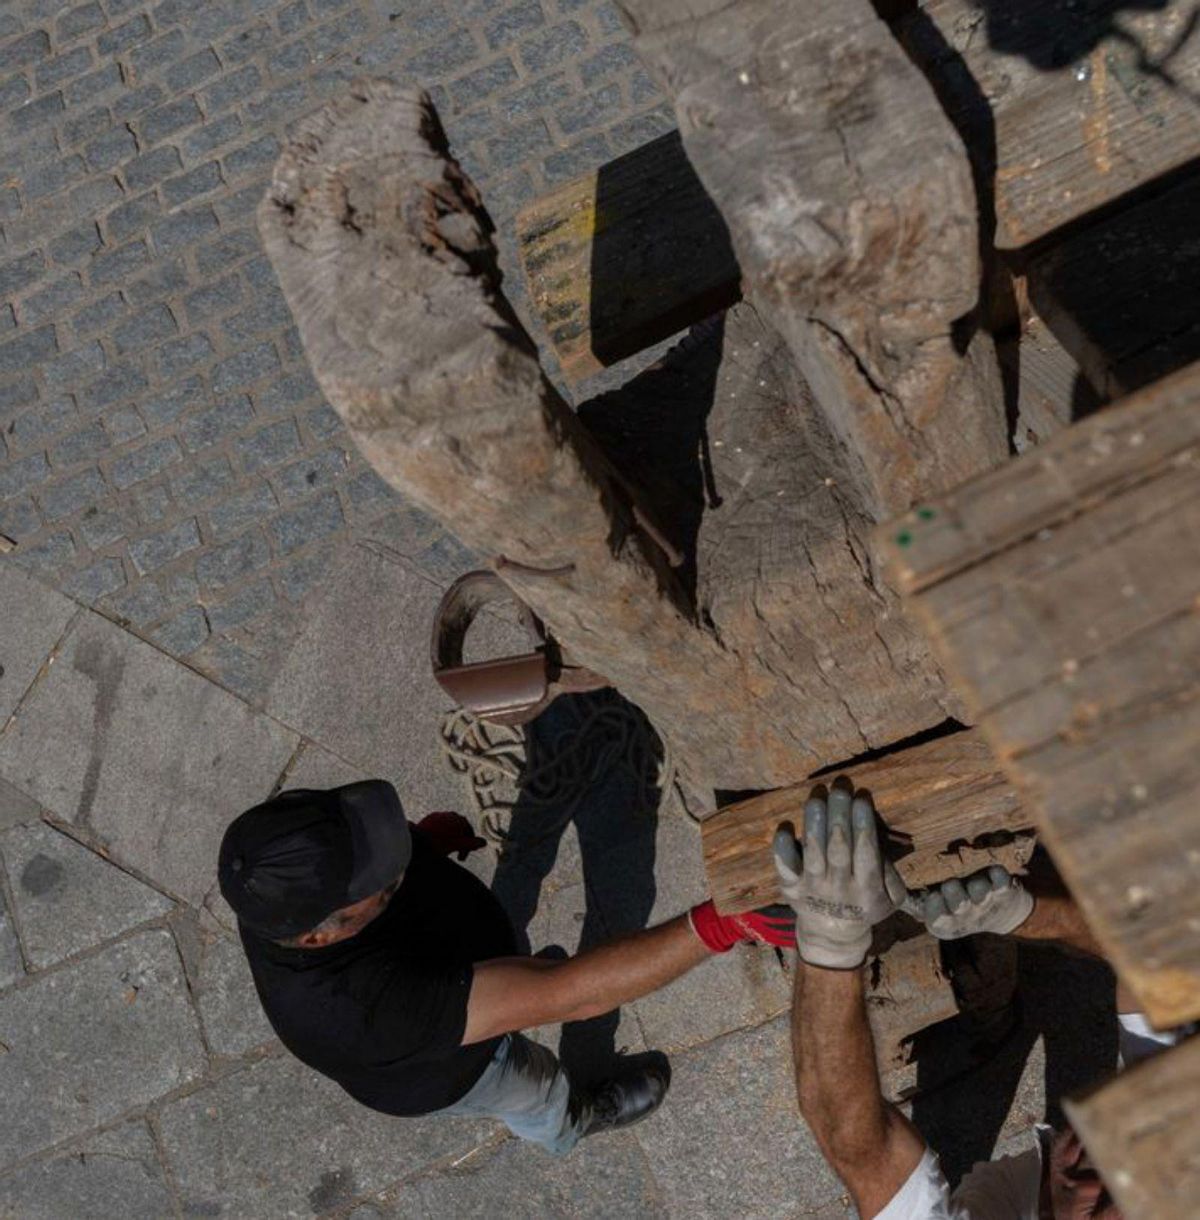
column 631, row 1094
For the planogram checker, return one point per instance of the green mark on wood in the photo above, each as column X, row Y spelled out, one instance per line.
column 926, row 514
column 904, row 538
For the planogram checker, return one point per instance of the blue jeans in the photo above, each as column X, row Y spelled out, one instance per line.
column 526, row 1088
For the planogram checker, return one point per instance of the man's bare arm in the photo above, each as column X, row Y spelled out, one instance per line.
column 514, row 993
column 871, row 1146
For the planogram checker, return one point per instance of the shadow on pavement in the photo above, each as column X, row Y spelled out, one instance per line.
column 614, row 812
column 1066, row 1000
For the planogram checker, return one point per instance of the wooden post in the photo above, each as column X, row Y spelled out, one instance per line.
column 851, row 209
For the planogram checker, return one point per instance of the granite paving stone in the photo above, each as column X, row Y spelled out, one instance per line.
column 69, row 898
column 34, row 619
column 114, row 1172
column 358, row 680
column 16, row 809
column 230, row 1012
column 315, row 767
column 742, row 1088
column 604, row 1178
column 279, row 1140
column 150, row 758
column 742, row 987
column 11, row 967
column 73, row 1038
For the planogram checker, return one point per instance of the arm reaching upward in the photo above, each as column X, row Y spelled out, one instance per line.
column 839, row 889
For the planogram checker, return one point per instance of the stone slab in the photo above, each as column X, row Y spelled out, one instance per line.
column 11, row 967
column 279, row 1140
column 67, row 897
column 233, row 1019
column 145, row 755
column 358, row 679
column 34, row 619
column 88, row 1042
column 565, row 920
column 604, row 1178
column 743, row 987
column 319, row 768
column 114, row 1172
column 729, row 1139
column 16, row 809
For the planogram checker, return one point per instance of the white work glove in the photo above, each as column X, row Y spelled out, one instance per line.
column 989, row 901
column 844, row 886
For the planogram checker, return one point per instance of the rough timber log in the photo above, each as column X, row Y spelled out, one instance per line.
column 853, row 215
column 1062, row 593
column 772, row 653
column 947, row 804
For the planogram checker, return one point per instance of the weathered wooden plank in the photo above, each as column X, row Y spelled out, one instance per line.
column 1123, row 294
column 852, row 212
column 626, row 256
column 1068, row 105
column 1090, row 462
column 1051, row 388
column 1061, row 593
column 1142, row 1130
column 947, row 802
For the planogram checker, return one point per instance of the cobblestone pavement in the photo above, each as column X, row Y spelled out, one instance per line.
column 165, row 454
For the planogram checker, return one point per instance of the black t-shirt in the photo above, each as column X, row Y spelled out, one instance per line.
column 383, row 1013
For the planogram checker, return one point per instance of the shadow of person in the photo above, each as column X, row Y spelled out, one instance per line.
column 1051, row 36
column 1068, row 1002
column 592, row 762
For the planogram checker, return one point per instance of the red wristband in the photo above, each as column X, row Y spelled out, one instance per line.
column 766, row 926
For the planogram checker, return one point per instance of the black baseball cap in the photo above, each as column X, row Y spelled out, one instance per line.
column 289, row 863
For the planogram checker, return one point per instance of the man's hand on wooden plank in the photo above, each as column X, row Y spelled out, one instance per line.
column 838, row 883
column 988, row 901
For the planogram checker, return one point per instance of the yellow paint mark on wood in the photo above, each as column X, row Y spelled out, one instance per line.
column 1097, row 125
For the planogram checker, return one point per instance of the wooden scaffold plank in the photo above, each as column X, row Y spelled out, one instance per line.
column 1072, row 105
column 1142, row 1128
column 1062, row 594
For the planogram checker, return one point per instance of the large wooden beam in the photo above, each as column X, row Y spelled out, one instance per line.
column 624, row 257
column 754, row 677
column 950, row 808
column 851, row 208
column 1142, row 1129
column 1123, row 294
column 1067, row 106
column 1062, row 594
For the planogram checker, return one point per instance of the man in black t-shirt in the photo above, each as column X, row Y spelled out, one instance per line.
column 394, row 971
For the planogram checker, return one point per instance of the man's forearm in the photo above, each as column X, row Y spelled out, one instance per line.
column 609, row 975
column 522, row 993
column 870, row 1145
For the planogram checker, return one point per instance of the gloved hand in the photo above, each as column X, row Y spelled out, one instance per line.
column 844, row 886
column 989, row 901
column 449, row 832
column 772, row 925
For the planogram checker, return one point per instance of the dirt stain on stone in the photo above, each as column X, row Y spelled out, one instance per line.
column 41, row 875
column 105, row 666
column 336, row 1186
